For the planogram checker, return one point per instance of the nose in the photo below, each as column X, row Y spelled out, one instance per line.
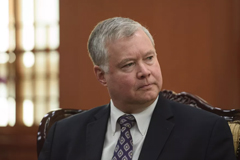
column 143, row 72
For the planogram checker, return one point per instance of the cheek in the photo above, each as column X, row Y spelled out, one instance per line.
column 121, row 87
column 125, row 82
column 157, row 73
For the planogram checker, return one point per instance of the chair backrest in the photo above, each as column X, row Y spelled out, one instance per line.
column 197, row 102
column 48, row 120
column 232, row 116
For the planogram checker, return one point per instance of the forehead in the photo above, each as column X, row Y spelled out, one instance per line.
column 139, row 42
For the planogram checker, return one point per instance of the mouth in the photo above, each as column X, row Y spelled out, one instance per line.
column 146, row 86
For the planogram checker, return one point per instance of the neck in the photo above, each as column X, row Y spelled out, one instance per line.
column 132, row 108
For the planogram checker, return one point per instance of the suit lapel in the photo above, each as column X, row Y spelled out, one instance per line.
column 96, row 134
column 159, row 130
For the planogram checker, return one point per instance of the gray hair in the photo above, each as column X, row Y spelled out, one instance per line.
column 106, row 32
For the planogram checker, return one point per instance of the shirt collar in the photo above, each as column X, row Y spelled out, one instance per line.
column 143, row 118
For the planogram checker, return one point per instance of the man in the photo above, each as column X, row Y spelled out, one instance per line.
column 125, row 62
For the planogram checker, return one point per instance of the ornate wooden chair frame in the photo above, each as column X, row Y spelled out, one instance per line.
column 232, row 116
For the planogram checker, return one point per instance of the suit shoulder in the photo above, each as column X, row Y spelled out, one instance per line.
column 191, row 112
column 85, row 116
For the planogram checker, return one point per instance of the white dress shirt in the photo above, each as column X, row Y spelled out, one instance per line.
column 138, row 131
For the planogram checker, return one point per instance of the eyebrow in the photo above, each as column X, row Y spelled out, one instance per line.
column 149, row 53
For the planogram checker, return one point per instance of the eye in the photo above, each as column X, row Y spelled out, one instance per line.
column 128, row 65
column 149, row 58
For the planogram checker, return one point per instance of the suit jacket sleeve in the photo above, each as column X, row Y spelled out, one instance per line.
column 221, row 142
column 45, row 153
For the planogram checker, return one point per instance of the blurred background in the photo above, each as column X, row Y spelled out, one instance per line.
column 44, row 63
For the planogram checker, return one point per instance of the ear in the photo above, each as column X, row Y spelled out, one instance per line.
column 100, row 74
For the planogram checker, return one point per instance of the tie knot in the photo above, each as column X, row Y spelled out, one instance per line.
column 126, row 121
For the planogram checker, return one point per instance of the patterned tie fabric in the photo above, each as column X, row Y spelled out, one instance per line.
column 124, row 147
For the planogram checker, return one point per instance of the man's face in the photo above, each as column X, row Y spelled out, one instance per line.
column 134, row 78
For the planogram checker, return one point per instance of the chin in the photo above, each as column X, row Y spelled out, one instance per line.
column 149, row 97
column 151, row 94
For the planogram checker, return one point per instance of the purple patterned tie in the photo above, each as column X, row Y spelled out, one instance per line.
column 124, row 147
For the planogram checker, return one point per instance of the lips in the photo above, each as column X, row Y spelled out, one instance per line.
column 146, row 86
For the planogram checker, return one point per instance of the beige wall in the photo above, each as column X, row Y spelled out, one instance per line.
column 197, row 44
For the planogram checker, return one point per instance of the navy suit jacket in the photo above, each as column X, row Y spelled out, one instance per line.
column 176, row 132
